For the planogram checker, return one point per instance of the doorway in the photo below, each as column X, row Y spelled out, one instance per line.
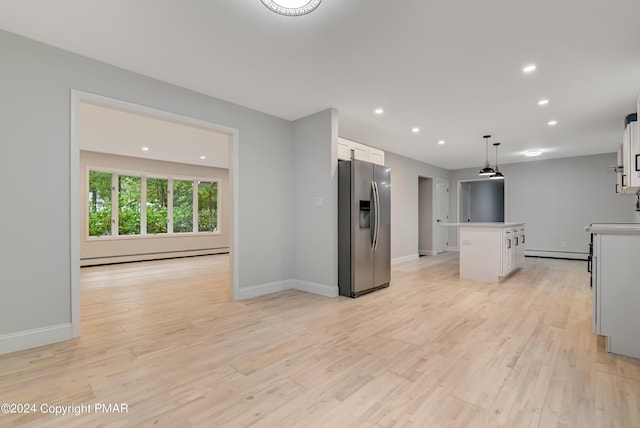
column 78, row 97
column 433, row 212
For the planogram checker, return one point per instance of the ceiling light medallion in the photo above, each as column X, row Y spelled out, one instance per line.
column 487, row 170
column 292, row 7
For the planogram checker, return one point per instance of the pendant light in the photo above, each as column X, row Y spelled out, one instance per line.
column 487, row 170
column 498, row 175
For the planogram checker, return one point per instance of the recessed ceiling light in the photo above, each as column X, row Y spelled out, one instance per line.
column 415, row 130
column 378, row 111
column 441, row 142
column 292, row 7
column 543, row 102
column 533, row 153
column 145, row 149
column 203, row 157
column 529, row 68
column 552, row 122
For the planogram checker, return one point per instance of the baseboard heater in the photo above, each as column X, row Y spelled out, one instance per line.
column 141, row 257
column 554, row 254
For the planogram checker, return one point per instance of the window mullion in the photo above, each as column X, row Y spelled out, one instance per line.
column 143, row 205
column 170, row 206
column 115, row 204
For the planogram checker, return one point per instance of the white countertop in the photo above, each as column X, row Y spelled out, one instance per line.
column 511, row 224
column 625, row 228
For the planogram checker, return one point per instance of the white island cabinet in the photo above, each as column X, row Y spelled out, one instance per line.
column 490, row 252
column 616, row 286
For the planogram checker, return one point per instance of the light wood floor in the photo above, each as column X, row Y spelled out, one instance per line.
column 430, row 351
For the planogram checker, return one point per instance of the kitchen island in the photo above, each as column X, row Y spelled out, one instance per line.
column 490, row 252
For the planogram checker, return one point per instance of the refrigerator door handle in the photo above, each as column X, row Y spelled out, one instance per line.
column 377, row 219
column 374, row 213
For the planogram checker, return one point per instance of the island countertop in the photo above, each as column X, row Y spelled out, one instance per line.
column 614, row 228
column 469, row 224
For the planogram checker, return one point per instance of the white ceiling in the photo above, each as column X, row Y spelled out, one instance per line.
column 128, row 133
column 452, row 68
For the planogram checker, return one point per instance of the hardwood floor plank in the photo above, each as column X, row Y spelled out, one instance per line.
column 432, row 350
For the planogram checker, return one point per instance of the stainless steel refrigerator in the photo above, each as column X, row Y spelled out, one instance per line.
column 364, row 227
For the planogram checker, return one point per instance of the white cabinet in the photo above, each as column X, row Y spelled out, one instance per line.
column 616, row 286
column 360, row 151
column 629, row 159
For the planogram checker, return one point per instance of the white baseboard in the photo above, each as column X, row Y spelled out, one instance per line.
column 405, row 259
column 262, row 289
column 454, row 249
column 287, row 284
column 556, row 254
column 21, row 340
column 315, row 288
column 426, row 252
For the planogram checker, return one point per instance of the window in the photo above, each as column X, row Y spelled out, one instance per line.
column 129, row 198
column 150, row 205
column 99, row 203
column 207, row 206
column 182, row 206
column 157, row 205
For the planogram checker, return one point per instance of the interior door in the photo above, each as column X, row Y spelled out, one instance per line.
column 442, row 214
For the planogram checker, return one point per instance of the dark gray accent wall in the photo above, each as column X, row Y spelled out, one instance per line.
column 486, row 201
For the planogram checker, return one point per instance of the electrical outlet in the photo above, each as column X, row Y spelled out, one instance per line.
column 563, row 244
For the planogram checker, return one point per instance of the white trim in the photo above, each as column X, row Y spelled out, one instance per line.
column 74, row 214
column 556, row 254
column 262, row 289
column 426, row 252
column 20, row 340
column 74, row 182
column 315, row 288
column 287, row 284
column 405, row 259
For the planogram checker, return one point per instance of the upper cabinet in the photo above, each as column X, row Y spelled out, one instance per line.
column 360, row 151
column 628, row 181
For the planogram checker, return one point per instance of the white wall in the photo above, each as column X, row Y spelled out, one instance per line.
column 557, row 198
column 35, row 83
column 405, row 175
column 99, row 251
column 315, row 203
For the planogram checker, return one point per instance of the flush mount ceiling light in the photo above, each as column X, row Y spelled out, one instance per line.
column 529, row 68
column 487, row 170
column 533, row 153
column 378, row 111
column 441, row 142
column 552, row 122
column 292, row 7
column 543, row 102
column 415, row 130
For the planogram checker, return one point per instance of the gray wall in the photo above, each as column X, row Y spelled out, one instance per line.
column 315, row 201
column 405, row 175
column 35, row 83
column 557, row 198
